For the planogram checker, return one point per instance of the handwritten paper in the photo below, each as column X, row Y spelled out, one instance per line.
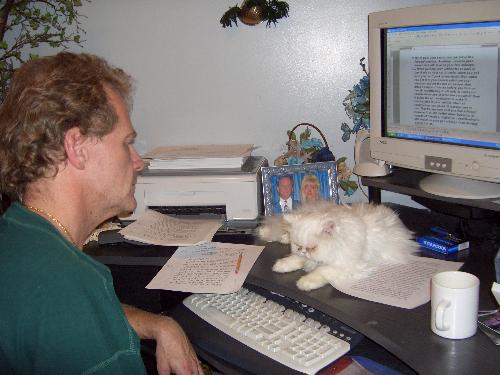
column 405, row 285
column 159, row 229
column 208, row 268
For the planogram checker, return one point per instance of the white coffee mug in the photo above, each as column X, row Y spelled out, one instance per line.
column 454, row 304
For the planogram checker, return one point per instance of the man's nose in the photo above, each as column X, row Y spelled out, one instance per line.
column 137, row 160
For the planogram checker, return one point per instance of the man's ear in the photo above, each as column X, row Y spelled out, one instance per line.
column 75, row 147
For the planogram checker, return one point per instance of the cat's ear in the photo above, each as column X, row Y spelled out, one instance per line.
column 328, row 227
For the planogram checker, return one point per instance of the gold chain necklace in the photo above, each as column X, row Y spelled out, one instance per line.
column 54, row 220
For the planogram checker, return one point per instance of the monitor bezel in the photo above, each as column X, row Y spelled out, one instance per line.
column 476, row 163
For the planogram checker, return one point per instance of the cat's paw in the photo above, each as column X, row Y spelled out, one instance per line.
column 265, row 233
column 288, row 264
column 311, row 281
column 309, row 265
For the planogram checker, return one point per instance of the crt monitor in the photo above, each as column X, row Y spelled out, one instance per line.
column 434, row 95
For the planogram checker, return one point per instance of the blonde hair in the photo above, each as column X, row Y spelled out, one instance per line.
column 309, row 179
column 47, row 97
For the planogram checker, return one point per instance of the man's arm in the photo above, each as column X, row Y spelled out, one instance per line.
column 174, row 353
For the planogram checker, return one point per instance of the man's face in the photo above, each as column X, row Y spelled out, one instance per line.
column 115, row 163
column 285, row 187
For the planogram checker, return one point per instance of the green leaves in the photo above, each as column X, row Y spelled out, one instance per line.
column 305, row 135
column 230, row 17
column 31, row 23
column 275, row 11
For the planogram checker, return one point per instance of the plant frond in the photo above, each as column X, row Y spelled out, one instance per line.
column 230, row 17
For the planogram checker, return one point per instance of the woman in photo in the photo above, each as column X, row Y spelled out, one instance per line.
column 309, row 189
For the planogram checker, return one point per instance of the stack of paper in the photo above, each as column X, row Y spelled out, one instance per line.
column 199, row 156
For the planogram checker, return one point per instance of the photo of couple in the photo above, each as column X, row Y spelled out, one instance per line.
column 293, row 189
column 286, row 187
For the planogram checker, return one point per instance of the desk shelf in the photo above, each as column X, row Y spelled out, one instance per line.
column 405, row 181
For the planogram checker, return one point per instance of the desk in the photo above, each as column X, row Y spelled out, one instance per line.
column 404, row 333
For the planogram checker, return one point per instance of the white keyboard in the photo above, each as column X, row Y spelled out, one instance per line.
column 283, row 334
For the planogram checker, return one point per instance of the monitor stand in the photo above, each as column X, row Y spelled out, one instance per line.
column 458, row 187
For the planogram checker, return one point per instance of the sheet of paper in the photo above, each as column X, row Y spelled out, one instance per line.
column 159, row 229
column 401, row 285
column 208, row 268
column 200, row 151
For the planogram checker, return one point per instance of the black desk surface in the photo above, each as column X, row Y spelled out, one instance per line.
column 404, row 333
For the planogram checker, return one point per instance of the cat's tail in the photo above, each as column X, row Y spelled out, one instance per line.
column 274, row 228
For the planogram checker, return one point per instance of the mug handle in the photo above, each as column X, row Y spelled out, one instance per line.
column 442, row 306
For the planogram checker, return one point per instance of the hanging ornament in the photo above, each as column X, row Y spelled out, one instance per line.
column 253, row 12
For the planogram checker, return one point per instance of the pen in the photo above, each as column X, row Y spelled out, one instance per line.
column 238, row 263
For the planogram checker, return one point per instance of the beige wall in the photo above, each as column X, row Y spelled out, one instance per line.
column 200, row 83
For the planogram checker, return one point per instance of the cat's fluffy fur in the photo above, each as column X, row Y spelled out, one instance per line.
column 338, row 242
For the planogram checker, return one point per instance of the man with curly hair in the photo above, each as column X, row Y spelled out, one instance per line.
column 68, row 163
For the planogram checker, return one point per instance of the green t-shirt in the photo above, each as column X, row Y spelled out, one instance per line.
column 59, row 313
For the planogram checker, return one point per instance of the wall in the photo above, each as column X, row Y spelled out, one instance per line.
column 198, row 83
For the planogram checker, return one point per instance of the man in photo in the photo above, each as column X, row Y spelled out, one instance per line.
column 285, row 203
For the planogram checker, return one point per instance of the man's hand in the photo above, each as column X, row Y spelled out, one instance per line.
column 174, row 353
column 173, row 350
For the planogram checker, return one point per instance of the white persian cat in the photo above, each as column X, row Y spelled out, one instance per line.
column 338, row 242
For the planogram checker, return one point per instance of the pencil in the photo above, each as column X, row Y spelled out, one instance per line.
column 238, row 263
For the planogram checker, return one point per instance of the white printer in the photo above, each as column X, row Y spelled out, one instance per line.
column 236, row 193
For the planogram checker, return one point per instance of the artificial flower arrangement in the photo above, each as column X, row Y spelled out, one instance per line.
column 306, row 149
column 311, row 150
column 357, row 107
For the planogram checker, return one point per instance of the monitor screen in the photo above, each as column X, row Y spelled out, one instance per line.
column 439, row 91
column 434, row 93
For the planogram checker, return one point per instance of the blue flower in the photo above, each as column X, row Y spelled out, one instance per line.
column 314, row 143
column 357, row 105
column 359, row 90
column 364, row 82
column 349, row 191
column 361, row 123
column 295, row 160
column 358, row 101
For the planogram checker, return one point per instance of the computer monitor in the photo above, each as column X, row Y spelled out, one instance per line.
column 434, row 95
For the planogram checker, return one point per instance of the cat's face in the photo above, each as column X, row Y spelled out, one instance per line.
column 309, row 233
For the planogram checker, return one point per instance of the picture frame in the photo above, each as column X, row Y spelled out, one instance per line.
column 298, row 183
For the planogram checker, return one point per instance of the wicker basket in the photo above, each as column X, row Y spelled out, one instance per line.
column 297, row 155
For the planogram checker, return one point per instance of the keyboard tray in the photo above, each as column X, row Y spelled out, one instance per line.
column 241, row 359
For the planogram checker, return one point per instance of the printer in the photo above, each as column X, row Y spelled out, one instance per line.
column 234, row 193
